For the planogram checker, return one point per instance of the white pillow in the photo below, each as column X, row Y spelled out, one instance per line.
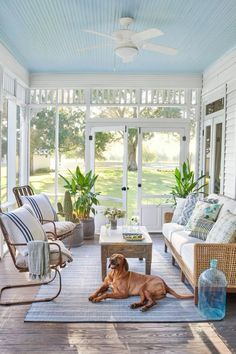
column 22, row 227
column 224, row 230
column 178, row 209
column 41, row 206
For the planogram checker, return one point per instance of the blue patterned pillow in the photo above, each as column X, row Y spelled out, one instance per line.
column 202, row 228
column 189, row 205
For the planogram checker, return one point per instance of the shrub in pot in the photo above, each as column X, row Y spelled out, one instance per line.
column 80, row 187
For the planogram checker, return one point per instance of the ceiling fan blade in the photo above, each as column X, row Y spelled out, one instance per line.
column 147, row 34
column 81, row 50
column 99, row 34
column 159, row 48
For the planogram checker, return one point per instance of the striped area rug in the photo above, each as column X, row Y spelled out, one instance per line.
column 82, row 277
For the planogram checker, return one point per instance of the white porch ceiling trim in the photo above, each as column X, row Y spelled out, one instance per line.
column 114, row 81
column 13, row 67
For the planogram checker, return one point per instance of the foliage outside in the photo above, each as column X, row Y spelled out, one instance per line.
column 80, row 187
column 185, row 182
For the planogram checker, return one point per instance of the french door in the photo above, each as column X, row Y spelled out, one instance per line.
column 213, row 155
column 108, row 160
column 135, row 164
column 161, row 150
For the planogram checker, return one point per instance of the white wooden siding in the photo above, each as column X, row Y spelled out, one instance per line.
column 217, row 78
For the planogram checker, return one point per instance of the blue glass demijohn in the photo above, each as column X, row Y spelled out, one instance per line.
column 212, row 292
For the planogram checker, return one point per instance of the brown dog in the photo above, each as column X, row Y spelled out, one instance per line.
column 124, row 284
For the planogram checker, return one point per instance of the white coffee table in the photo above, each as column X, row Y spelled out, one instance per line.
column 112, row 241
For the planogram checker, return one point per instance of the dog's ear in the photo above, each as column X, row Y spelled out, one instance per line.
column 126, row 265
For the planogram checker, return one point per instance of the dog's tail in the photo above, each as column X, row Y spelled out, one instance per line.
column 178, row 296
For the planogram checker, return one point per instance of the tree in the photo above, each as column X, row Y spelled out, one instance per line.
column 71, row 132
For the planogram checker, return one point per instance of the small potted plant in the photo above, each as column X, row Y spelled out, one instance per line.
column 84, row 198
column 112, row 214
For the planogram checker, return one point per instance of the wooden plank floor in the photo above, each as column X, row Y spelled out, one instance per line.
column 19, row 337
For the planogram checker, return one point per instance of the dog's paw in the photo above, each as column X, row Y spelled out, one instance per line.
column 144, row 309
column 95, row 299
column 133, row 306
column 90, row 298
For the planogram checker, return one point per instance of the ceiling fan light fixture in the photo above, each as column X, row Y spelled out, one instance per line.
column 126, row 53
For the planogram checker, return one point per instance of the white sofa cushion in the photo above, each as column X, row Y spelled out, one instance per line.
column 187, row 254
column 169, row 228
column 180, row 238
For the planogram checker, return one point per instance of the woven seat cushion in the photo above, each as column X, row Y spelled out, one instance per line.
column 41, row 206
column 22, row 261
column 62, row 227
column 22, row 226
column 224, row 230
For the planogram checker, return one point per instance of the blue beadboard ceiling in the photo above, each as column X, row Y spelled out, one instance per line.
column 48, row 36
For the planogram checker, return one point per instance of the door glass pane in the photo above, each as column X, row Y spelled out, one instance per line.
column 218, row 152
column 109, row 154
column 71, row 143
column 42, row 146
column 4, row 150
column 160, row 155
column 207, row 158
column 132, row 172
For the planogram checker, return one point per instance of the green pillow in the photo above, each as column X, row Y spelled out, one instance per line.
column 203, row 210
column 212, row 211
column 224, row 230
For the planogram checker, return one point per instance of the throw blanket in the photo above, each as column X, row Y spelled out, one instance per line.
column 38, row 260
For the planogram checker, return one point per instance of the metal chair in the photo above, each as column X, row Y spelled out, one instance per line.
column 56, row 225
column 54, row 267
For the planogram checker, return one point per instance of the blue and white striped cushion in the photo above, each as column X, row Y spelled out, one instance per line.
column 41, row 206
column 22, row 227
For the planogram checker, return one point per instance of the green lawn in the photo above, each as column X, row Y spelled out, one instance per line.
column 109, row 183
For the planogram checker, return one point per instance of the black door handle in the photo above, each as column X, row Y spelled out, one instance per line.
column 123, row 188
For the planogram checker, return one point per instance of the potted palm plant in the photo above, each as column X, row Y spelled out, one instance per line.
column 186, row 182
column 84, row 198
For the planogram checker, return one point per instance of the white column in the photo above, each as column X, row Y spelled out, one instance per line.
column 11, row 145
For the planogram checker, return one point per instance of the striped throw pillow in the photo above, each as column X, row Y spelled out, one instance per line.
column 41, row 206
column 22, row 226
column 202, row 228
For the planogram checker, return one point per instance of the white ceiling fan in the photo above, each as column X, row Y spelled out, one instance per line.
column 128, row 43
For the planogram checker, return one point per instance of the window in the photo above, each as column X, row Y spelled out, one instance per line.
column 4, row 150
column 215, row 106
column 42, row 151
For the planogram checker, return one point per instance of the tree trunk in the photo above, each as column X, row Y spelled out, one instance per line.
column 132, row 164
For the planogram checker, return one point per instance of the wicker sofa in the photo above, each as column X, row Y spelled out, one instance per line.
column 193, row 255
